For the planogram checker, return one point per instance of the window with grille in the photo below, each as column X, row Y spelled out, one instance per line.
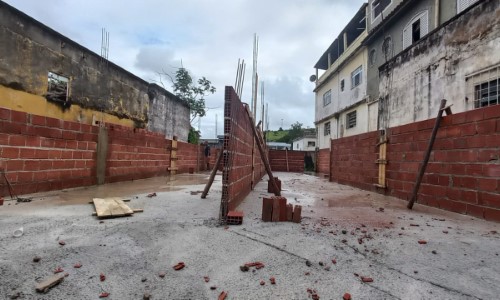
column 416, row 29
column 327, row 98
column 484, row 87
column 356, row 77
column 378, row 6
column 311, row 144
column 464, row 4
column 351, row 120
column 327, row 128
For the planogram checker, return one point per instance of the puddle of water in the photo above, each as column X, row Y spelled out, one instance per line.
column 127, row 189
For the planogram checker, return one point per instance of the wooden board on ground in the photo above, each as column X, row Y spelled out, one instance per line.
column 111, row 207
column 49, row 282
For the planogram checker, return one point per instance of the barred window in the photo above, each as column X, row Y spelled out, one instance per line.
column 484, row 87
column 327, row 128
column 327, row 98
column 351, row 120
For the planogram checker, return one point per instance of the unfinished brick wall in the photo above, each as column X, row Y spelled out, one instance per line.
column 136, row 154
column 463, row 174
column 323, row 161
column 242, row 164
column 40, row 154
column 278, row 160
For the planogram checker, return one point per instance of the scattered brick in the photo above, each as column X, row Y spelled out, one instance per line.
column 58, row 270
column 104, row 295
column 179, row 266
column 262, row 282
column 422, row 242
column 206, row 278
column 366, row 279
column 222, row 295
column 102, row 277
column 151, row 195
column 62, row 243
column 272, row 280
column 334, row 261
column 77, row 266
column 347, row 296
column 257, row 265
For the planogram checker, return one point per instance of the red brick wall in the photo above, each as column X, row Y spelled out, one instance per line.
column 135, row 154
column 353, row 160
column 238, row 165
column 463, row 174
column 41, row 154
column 323, row 161
column 278, row 161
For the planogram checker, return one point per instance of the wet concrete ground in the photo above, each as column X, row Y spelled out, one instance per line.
column 366, row 234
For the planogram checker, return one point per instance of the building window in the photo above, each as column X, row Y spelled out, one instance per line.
column 57, row 89
column 372, row 57
column 327, row 98
column 484, row 87
column 342, row 85
column 356, row 77
column 327, row 128
column 387, row 48
column 297, row 146
column 416, row 29
column 378, row 6
column 311, row 144
column 351, row 120
column 464, row 4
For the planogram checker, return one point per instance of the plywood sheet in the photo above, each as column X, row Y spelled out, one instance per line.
column 111, row 207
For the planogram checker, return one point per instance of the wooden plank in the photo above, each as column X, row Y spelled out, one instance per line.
column 49, row 282
column 111, row 207
column 136, row 210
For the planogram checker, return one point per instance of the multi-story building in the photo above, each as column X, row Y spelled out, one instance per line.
column 343, row 106
column 359, row 90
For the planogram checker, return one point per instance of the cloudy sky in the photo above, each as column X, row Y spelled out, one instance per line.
column 209, row 36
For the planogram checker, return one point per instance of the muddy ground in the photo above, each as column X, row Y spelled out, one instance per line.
column 366, row 234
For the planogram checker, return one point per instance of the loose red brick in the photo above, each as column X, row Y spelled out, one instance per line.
column 422, row 242
column 104, row 295
column 366, row 279
column 77, row 266
column 347, row 296
column 179, row 266
column 262, row 282
column 222, row 295
column 272, row 280
column 102, row 277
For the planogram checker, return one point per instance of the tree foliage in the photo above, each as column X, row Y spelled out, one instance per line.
column 294, row 132
column 193, row 93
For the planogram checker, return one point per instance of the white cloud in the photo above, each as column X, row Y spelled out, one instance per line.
column 209, row 37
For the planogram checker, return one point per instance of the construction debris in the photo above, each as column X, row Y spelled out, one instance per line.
column 48, row 283
column 102, row 277
column 234, row 217
column 222, row 295
column 179, row 266
column 104, row 295
column 77, row 266
column 275, row 209
column 151, row 195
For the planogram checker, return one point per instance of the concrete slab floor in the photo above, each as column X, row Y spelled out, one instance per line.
column 460, row 260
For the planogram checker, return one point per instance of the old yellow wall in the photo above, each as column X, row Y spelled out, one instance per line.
column 38, row 105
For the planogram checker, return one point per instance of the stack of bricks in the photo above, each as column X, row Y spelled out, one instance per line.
column 275, row 209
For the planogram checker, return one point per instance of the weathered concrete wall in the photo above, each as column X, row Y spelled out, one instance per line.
column 97, row 89
column 463, row 174
column 242, row 163
column 394, row 30
column 39, row 153
column 414, row 82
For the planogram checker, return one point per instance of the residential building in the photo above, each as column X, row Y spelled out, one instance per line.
column 343, row 107
column 306, row 142
column 395, row 27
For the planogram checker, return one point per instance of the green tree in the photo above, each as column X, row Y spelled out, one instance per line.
column 293, row 133
column 193, row 93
